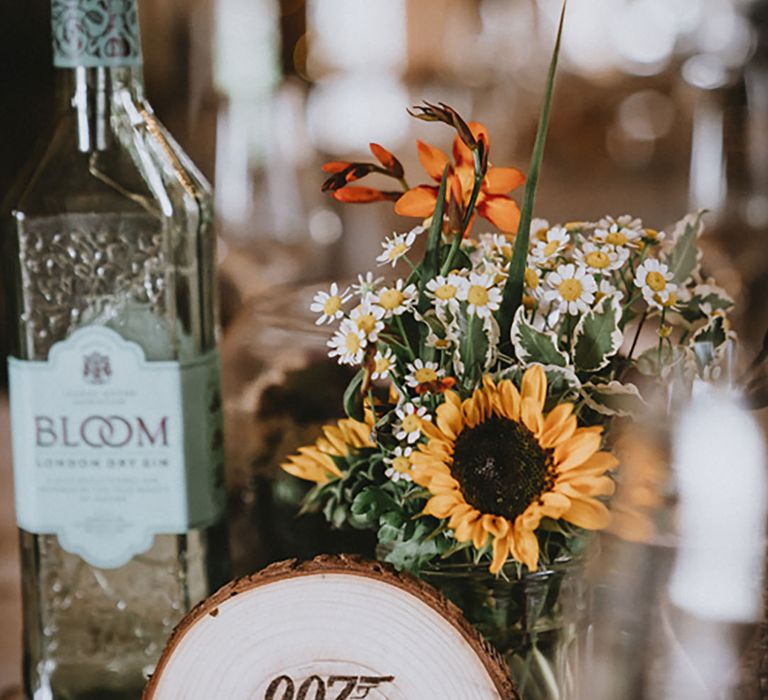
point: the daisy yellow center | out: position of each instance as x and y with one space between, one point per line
445 292
352 343
366 323
397 251
411 423
570 289
551 248
541 234
390 299
425 375
616 238
598 259
442 343
332 305
477 295
383 364
401 464
500 467
531 278
651 233
655 280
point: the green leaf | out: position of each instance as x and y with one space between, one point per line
414 545
353 399
369 505
431 263
683 260
473 346
598 336
533 345
714 332
513 290
706 300
614 399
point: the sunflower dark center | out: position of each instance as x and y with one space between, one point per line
501 467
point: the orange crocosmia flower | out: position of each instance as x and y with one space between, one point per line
335 166
361 195
493 202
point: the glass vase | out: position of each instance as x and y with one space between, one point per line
537 621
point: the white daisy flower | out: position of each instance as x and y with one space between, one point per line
368 318
420 372
654 236
348 343
409 426
539 228
653 278
606 289
330 304
366 285
663 300
400 464
624 231
532 279
481 294
396 247
495 246
553 242
396 300
445 290
572 290
601 258
384 364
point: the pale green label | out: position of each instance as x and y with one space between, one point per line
110 449
94 33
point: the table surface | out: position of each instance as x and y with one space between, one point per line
10 593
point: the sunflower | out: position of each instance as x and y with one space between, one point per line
495 465
315 463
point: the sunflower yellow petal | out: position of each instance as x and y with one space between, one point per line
530 413
449 420
527 547
554 504
508 400
534 386
588 514
479 534
559 426
577 450
464 530
441 505
500 553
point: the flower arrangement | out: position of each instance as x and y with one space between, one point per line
492 370
491 437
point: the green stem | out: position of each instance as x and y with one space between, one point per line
661 338
456 244
640 325
407 346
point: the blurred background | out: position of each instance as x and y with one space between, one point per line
661 107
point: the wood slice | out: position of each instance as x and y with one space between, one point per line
333 628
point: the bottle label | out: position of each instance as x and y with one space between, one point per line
110 449
94 33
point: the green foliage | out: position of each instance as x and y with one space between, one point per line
513 290
614 399
353 399
684 258
532 345
598 337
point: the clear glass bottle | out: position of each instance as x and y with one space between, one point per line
115 400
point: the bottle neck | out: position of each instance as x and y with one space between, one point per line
97 51
91 95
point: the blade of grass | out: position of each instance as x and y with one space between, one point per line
513 290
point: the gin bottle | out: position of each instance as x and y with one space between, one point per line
115 400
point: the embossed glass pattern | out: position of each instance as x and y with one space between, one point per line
111 227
